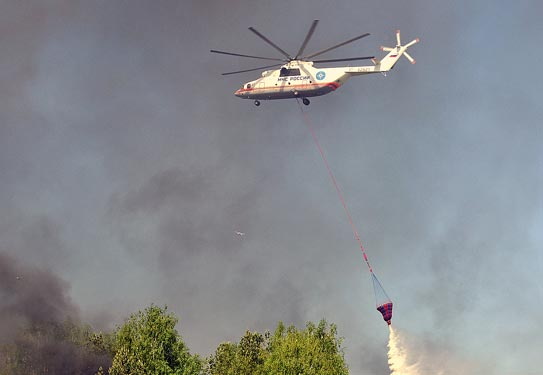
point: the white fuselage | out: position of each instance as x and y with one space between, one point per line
295 79
300 79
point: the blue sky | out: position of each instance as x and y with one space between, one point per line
127 165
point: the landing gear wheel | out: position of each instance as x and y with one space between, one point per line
257 102
305 101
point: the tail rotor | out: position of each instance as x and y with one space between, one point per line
399 49
408 57
414 41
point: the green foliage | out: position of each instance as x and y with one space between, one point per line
245 358
149 344
83 336
224 361
315 350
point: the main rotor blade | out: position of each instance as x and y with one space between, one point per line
238 54
270 43
336 46
307 37
250 70
347 59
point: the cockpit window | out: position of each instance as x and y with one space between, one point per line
284 72
248 85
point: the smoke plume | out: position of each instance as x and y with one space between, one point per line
39 332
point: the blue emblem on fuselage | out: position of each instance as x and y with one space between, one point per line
320 75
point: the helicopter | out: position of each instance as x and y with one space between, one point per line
297 76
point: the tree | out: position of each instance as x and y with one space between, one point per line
316 350
149 344
224 361
245 358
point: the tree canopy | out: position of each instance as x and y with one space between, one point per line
315 350
148 343
244 358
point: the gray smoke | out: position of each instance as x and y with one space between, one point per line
30 296
127 165
37 324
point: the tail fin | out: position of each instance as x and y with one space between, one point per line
394 54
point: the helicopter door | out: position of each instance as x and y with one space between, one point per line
260 85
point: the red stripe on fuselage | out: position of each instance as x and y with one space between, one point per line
333 85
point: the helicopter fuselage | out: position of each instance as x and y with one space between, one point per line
297 79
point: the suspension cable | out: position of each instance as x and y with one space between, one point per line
308 123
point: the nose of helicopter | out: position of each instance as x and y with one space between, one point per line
238 93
